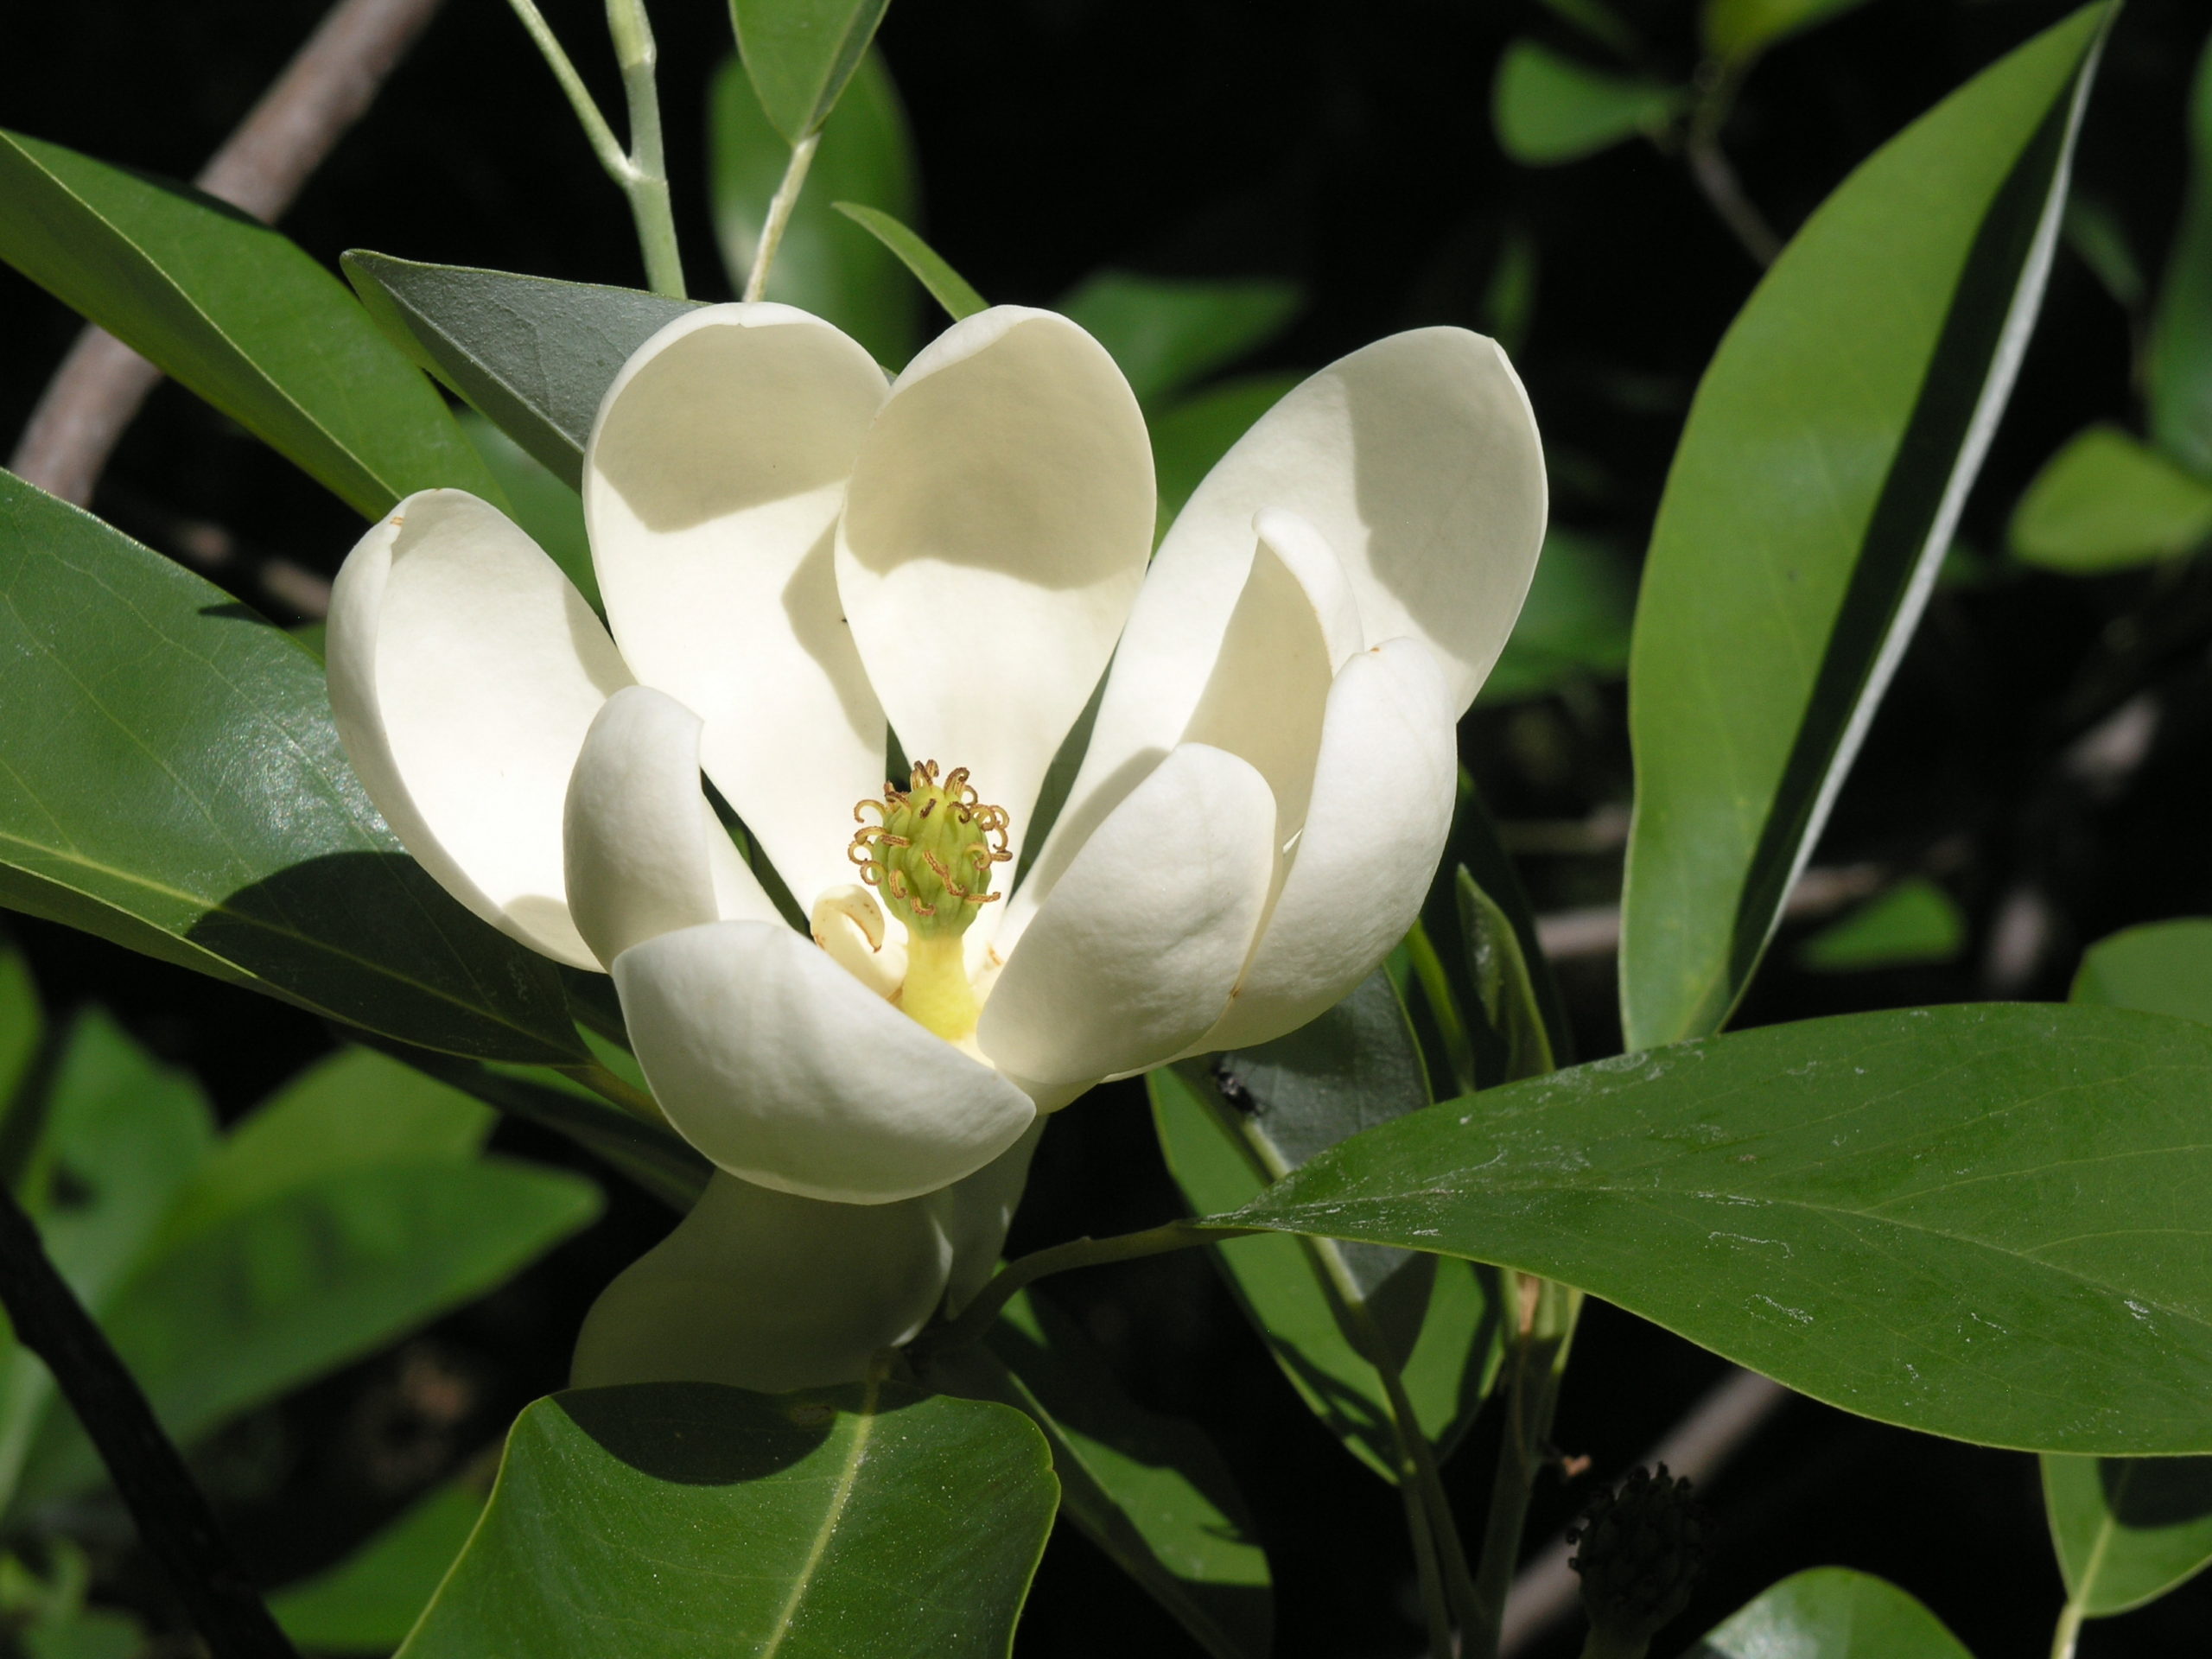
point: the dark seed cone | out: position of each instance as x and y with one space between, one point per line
1642 1549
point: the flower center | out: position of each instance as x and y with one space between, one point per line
929 855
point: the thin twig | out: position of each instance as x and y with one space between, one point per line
780 215
325 89
1712 171
1698 1447
172 1514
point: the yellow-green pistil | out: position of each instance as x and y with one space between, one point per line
929 856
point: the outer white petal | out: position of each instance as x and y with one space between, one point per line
996 532
764 1290
642 843
464 672
1416 459
783 1068
1134 956
712 486
1382 796
975 1214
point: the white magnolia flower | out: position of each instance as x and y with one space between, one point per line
795 554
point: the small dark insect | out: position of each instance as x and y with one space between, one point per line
1232 1086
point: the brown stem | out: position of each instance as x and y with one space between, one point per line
172 1516
326 88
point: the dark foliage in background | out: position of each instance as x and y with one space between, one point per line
1348 148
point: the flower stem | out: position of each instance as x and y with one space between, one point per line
980 1315
779 215
2068 1633
1538 1361
1433 1604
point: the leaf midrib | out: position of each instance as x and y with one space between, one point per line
841 1497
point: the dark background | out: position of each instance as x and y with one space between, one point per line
1349 147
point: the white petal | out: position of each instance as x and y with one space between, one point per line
464 672
975 1214
642 842
712 486
1382 796
781 1067
1417 459
996 532
849 923
1134 956
763 1290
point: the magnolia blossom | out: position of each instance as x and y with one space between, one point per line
799 558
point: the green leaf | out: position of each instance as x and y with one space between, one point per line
2107 502
171 779
2181 330
235 312
550 510
533 355
1324 1309
946 286
1914 921
1505 992
1150 1491
2128 1529
1814 492
1737 29
1573 626
2098 238
1167 333
684 1520
1191 435
1549 108
281 1290
369 1601
2159 968
801 53
825 263
1983 1221
1831 1612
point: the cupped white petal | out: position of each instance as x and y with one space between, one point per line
764 1290
712 485
1134 956
995 534
1383 789
784 1068
465 670
1417 459
642 843
976 1213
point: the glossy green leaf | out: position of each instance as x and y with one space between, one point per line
2107 502
1831 1612
2181 330
2129 1529
1914 921
1167 333
1737 29
346 1211
682 1521
551 511
1814 492
237 312
946 285
801 53
368 1602
171 779
1325 1309
2098 238
534 356
1505 1000
1986 1221
1549 108
1573 626
1151 1492
825 263
2159 968
1191 435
